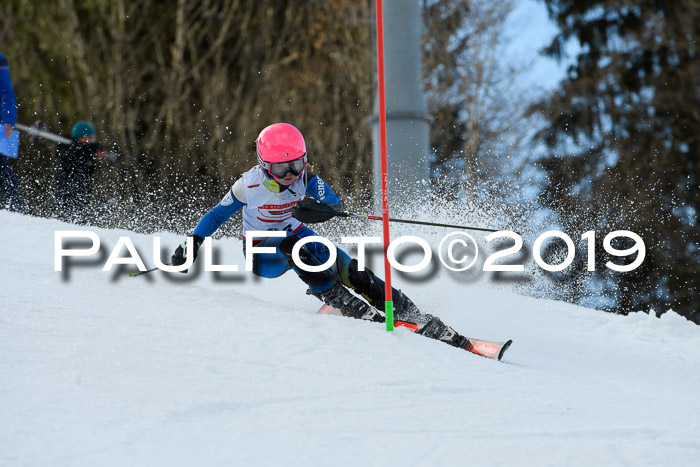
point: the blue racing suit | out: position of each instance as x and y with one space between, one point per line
271 265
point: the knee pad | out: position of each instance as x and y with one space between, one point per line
305 254
287 245
315 280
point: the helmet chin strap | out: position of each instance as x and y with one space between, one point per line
271 184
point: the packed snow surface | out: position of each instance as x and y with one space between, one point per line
97 368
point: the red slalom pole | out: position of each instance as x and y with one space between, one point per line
388 301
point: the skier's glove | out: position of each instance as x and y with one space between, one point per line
112 157
180 255
311 211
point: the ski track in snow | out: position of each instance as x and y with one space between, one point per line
98 368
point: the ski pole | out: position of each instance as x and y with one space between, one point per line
138 273
404 221
44 134
311 211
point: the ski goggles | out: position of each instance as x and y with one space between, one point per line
280 169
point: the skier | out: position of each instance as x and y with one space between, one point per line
9 185
267 194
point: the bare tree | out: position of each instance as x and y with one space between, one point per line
183 87
472 91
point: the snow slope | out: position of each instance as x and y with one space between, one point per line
98 368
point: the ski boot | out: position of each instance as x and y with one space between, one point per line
436 329
349 305
406 310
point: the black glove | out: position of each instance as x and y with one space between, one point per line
180 255
311 211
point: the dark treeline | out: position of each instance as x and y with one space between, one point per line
623 134
181 90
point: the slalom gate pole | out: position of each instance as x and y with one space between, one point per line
388 300
44 134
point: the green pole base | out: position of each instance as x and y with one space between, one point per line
389 312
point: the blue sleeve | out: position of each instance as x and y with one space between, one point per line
8 104
218 215
319 191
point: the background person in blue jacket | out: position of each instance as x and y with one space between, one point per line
9 185
271 194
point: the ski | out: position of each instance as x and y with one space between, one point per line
488 349
329 310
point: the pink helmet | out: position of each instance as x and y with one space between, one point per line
281 149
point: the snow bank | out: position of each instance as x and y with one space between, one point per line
101 369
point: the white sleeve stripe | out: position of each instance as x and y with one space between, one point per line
238 190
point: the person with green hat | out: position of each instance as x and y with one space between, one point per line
75 167
82 129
